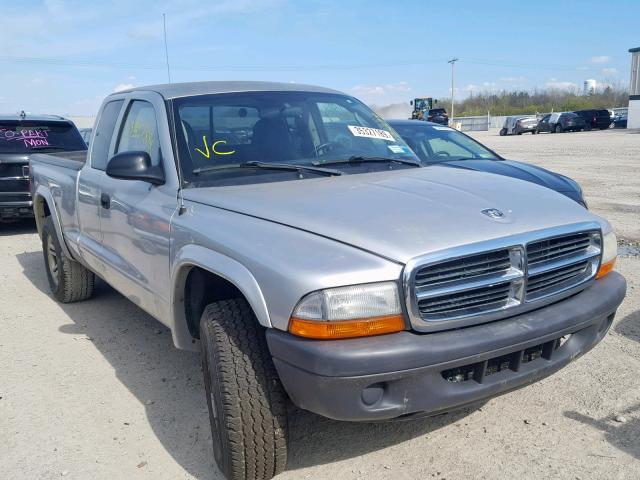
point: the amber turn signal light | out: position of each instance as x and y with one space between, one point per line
606 268
330 330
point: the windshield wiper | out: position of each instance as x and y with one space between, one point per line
363 159
271 166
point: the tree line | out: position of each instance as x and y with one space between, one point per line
537 101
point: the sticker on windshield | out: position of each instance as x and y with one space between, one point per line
370 133
442 128
398 149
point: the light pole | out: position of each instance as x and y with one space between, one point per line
452 62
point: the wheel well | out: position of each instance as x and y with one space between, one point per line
202 288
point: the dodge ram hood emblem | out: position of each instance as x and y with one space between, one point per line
493 213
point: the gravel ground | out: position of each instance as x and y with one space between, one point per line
96 389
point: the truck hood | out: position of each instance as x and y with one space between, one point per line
523 171
401 214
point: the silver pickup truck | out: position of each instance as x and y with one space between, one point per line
289 234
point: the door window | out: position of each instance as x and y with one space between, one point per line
140 131
104 133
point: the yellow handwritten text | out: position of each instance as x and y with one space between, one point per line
207 153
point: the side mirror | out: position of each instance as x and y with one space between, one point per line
135 166
411 102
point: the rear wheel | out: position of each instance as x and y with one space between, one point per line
247 404
503 132
69 280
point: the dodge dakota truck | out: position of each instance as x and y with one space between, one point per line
20 136
289 234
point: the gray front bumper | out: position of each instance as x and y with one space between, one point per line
393 375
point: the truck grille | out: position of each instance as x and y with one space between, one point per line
14 170
473 285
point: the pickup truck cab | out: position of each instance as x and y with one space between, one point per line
21 136
289 234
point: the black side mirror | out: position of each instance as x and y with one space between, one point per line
135 166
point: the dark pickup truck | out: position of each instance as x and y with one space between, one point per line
20 136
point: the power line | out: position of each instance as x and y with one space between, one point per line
61 61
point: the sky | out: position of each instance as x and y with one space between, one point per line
65 56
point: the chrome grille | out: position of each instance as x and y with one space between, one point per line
495 296
461 286
463 268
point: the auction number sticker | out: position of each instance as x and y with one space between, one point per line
370 133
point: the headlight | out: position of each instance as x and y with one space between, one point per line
609 254
346 312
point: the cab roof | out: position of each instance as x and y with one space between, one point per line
177 90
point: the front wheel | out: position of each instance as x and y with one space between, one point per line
246 401
503 132
558 128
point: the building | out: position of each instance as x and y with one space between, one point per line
589 87
633 119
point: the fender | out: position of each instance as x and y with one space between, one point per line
231 270
45 194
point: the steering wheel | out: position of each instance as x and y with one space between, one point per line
327 146
442 153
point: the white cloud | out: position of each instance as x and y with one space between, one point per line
123 86
381 89
609 71
513 79
553 83
600 59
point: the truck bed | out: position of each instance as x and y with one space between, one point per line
74 160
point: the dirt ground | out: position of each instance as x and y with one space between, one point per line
95 390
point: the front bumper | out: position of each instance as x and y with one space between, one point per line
389 376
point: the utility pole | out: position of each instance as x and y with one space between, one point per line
166 50
452 62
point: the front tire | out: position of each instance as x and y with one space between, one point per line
69 280
558 128
246 401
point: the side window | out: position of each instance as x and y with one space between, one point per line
448 148
104 133
140 131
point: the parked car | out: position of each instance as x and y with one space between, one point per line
448 147
320 266
86 134
20 136
595 118
561 122
517 125
438 115
620 121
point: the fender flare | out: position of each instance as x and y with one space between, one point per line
231 270
45 194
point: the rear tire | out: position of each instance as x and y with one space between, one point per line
69 280
503 132
246 401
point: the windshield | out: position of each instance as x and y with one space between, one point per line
219 134
25 136
434 144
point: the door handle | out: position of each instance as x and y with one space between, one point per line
105 201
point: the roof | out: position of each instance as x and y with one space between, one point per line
176 90
637 49
37 118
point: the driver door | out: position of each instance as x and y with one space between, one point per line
136 215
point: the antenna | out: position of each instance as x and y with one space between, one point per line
166 50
